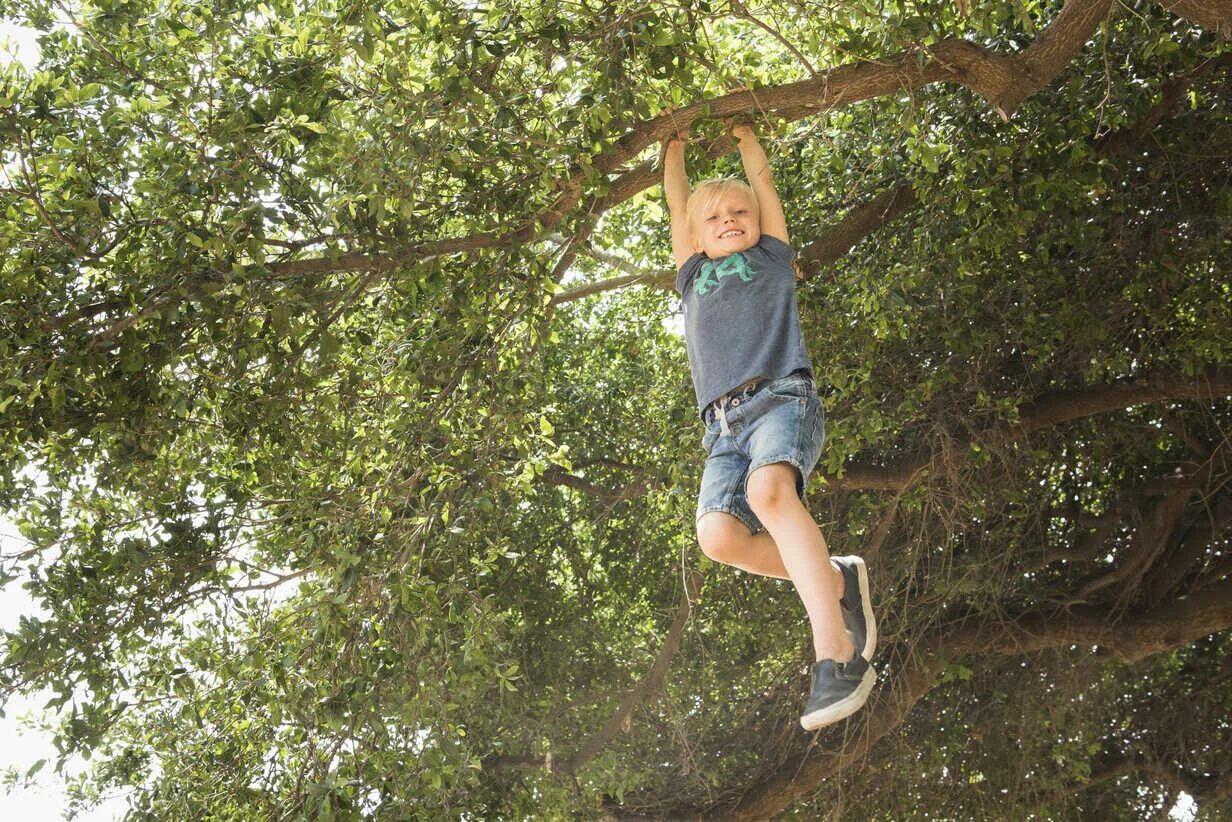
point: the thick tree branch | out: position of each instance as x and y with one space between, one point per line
858 223
1149 541
1005 81
555 476
1155 386
1171 96
1211 787
1131 638
1190 538
1215 15
1049 410
1191 550
1096 530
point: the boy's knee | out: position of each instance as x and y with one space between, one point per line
771 489
721 536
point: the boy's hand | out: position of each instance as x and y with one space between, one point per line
739 126
681 135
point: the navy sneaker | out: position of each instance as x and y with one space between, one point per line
857 607
840 689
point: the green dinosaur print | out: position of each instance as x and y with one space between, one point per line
711 272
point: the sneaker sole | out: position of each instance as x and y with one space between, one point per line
843 708
870 639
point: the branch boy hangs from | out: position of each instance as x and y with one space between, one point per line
764 421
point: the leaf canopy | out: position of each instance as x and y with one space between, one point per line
349 428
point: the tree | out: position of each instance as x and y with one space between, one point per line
355 450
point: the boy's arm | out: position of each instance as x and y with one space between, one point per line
676 187
757 169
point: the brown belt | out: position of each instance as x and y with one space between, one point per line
747 385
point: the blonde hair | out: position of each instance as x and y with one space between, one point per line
710 192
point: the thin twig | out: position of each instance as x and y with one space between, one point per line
741 11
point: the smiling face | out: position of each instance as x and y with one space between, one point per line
725 220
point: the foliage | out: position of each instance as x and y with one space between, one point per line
339 505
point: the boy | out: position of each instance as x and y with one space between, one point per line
764 422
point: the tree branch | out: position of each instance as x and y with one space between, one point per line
1049 410
650 684
1112 766
1149 541
1192 548
655 279
1215 15
1005 81
857 224
739 10
556 476
1132 639
1171 96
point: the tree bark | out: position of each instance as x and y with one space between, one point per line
1049 410
1215 15
1132 638
1005 81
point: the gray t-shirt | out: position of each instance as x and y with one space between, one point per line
740 318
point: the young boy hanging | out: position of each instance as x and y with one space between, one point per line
764 422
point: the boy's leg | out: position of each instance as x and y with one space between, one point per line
802 550
724 538
838 689
842 677
779 431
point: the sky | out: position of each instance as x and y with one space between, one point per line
21 44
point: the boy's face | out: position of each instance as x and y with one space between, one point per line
729 224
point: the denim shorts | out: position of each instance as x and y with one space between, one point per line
777 421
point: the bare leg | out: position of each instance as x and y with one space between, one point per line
772 496
726 539
791 548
